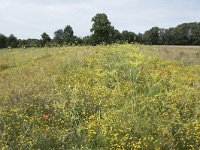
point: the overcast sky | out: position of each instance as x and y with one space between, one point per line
30 18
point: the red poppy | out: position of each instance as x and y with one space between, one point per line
46 116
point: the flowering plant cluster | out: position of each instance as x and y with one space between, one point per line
103 97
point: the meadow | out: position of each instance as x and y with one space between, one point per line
184 54
100 97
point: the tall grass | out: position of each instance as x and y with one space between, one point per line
104 97
185 54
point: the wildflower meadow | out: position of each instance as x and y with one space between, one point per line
97 97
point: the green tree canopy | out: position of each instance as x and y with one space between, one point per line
12 41
129 36
68 35
101 29
114 35
152 36
68 31
45 38
59 36
2 41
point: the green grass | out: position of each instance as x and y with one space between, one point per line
103 97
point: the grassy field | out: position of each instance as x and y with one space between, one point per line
103 97
185 54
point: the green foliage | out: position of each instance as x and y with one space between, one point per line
12 41
66 37
101 29
33 43
103 97
45 38
184 34
87 40
129 37
59 36
152 36
2 41
187 33
68 31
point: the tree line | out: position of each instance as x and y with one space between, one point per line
102 32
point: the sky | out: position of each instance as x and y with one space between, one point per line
30 18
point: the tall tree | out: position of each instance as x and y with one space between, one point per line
169 37
68 31
45 38
152 36
59 36
101 29
128 36
2 41
12 41
68 35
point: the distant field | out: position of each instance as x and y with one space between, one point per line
186 54
103 97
